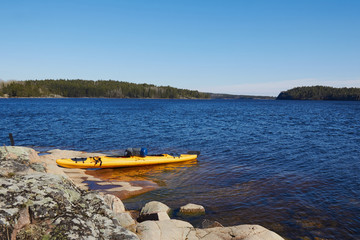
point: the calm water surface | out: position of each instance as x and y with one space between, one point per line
290 166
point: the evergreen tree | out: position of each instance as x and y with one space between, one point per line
88 88
320 93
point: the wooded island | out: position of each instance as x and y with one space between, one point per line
320 93
88 88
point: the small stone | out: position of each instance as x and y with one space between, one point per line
192 209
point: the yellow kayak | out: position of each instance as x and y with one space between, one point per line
122 161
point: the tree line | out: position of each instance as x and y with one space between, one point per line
320 93
88 88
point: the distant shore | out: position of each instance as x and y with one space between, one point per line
321 93
77 88
61 97
216 96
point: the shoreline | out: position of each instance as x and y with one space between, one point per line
40 200
83 178
108 98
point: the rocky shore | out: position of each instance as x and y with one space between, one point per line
39 200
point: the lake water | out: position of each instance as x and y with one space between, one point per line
290 166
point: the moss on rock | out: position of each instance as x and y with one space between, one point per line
57 208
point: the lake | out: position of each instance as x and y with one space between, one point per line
290 166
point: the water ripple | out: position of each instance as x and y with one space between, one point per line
291 166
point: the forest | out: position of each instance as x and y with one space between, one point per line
92 89
320 93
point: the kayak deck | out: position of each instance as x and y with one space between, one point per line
122 161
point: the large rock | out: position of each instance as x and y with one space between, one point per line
18 160
254 232
180 230
241 232
154 211
114 203
154 207
17 153
122 217
125 220
163 230
37 206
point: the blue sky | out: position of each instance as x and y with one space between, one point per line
240 47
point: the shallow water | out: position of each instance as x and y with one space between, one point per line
291 166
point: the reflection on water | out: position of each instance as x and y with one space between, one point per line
143 179
144 173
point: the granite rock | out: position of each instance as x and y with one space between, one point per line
206 223
154 207
164 230
114 203
16 160
180 230
192 209
47 205
241 232
154 211
125 220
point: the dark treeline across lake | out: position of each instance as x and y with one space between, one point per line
321 93
290 166
95 89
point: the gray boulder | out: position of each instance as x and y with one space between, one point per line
37 206
154 211
125 220
20 154
154 207
164 230
122 217
16 160
180 230
241 232
38 167
114 203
